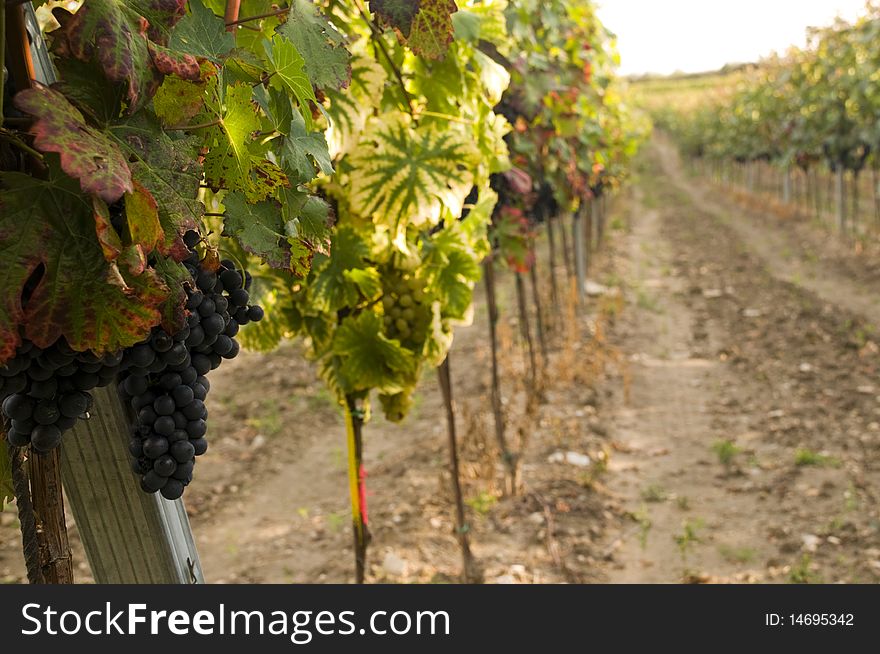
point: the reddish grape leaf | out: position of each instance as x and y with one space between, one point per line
169 62
86 154
126 40
169 171
79 295
424 25
162 15
398 14
113 36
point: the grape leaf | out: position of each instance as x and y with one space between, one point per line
408 175
368 359
167 169
350 108
178 100
260 230
162 15
169 62
398 14
287 68
176 277
80 295
321 46
203 34
424 25
368 280
234 161
302 152
86 154
332 289
113 36
142 219
308 218
432 30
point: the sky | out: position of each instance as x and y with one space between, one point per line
696 35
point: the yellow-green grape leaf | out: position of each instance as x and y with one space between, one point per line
407 176
350 108
368 359
331 288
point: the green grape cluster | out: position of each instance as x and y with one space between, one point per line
407 315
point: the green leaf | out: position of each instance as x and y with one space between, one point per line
332 289
202 33
86 154
307 217
467 26
260 229
234 160
321 46
176 277
368 359
304 153
407 175
368 281
288 73
93 303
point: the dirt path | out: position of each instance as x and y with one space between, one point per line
666 431
786 256
748 451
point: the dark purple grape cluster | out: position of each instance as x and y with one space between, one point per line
165 383
45 391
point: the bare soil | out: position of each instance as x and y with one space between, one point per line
722 382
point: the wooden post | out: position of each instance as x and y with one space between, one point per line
840 198
470 570
507 456
130 537
786 184
56 562
554 290
580 257
566 251
354 418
